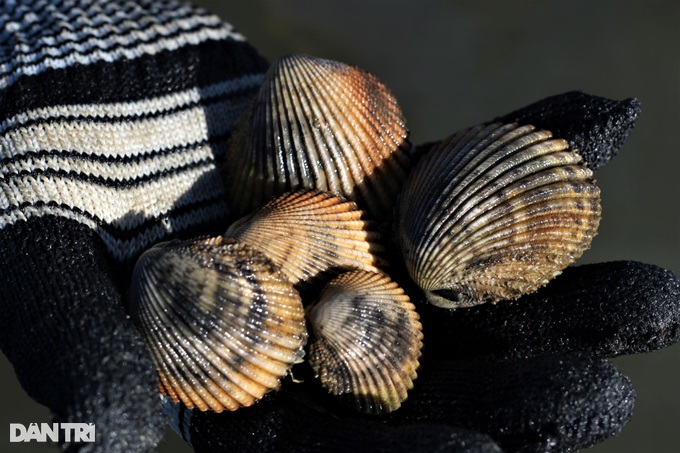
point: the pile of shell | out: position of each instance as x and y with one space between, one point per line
322 154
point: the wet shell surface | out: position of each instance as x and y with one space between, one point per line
319 124
222 323
366 341
495 212
306 233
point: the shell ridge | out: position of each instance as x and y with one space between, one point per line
222 362
488 203
496 204
493 186
332 234
320 109
491 220
496 170
316 149
326 126
498 222
201 306
189 374
447 159
359 319
287 138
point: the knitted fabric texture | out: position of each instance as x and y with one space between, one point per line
114 116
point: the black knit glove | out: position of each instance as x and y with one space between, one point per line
526 375
113 119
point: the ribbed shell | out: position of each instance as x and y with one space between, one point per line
495 212
222 323
306 233
366 341
319 124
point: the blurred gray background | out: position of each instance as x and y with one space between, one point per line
453 64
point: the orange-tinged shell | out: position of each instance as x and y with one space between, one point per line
366 341
222 323
495 212
319 124
306 233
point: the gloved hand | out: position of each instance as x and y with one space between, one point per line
113 120
524 375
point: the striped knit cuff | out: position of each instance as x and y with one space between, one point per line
114 114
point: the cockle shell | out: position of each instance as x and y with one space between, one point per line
495 212
366 340
222 323
319 124
306 233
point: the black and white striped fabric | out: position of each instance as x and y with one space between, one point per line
114 117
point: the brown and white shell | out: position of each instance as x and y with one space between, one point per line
222 323
366 341
319 124
307 233
495 212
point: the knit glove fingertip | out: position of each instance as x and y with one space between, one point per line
595 126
